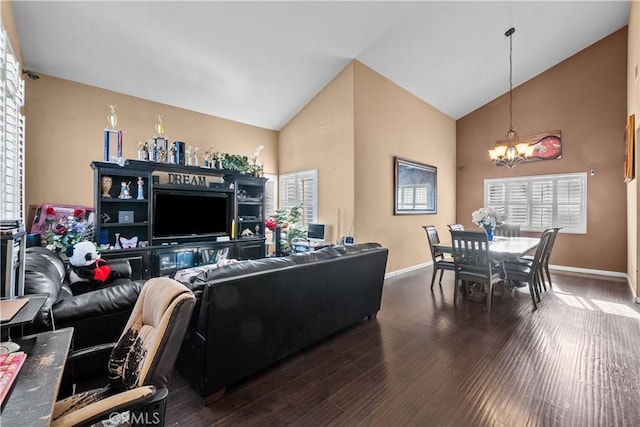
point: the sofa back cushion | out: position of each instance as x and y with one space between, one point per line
42 275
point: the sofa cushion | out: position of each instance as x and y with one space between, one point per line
41 276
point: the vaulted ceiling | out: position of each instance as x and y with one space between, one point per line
260 62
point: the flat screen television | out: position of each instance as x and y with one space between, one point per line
180 214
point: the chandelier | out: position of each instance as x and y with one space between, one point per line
510 152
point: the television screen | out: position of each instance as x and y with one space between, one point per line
188 213
315 232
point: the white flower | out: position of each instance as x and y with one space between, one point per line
485 217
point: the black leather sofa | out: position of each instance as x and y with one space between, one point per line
97 317
254 313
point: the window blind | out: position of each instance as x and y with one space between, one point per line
270 194
12 128
539 202
300 188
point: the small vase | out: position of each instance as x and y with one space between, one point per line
489 231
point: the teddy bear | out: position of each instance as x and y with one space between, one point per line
88 271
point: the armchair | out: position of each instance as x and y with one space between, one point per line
141 362
97 316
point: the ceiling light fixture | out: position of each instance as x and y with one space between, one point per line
510 152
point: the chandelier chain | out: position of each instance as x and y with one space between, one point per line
510 82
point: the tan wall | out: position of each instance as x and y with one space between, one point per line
633 107
320 137
65 133
584 97
389 121
350 134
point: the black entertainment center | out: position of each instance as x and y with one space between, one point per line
164 217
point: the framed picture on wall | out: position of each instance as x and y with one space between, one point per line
415 187
629 150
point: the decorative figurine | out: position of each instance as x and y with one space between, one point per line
171 158
112 118
159 126
143 150
140 188
195 156
188 152
124 190
117 245
107 181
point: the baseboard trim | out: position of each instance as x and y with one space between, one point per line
589 271
407 270
564 268
551 267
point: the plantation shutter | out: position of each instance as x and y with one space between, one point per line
300 188
571 202
517 198
270 194
540 202
12 126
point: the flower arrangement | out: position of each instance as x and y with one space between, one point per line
488 218
65 231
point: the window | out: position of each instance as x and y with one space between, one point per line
300 188
12 138
539 202
270 194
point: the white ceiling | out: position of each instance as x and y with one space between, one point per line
261 62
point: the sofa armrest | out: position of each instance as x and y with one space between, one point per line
120 269
97 303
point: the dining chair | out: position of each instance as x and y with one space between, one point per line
522 270
507 230
473 262
544 264
440 262
456 227
543 267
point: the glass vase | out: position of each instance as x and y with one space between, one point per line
489 231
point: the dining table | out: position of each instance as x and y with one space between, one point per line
502 248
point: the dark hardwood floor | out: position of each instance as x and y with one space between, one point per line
575 362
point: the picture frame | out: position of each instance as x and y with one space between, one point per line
415 187
629 150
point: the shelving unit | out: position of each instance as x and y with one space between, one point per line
249 196
133 217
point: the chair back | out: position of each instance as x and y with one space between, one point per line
149 344
550 243
508 230
456 227
542 248
432 237
471 255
